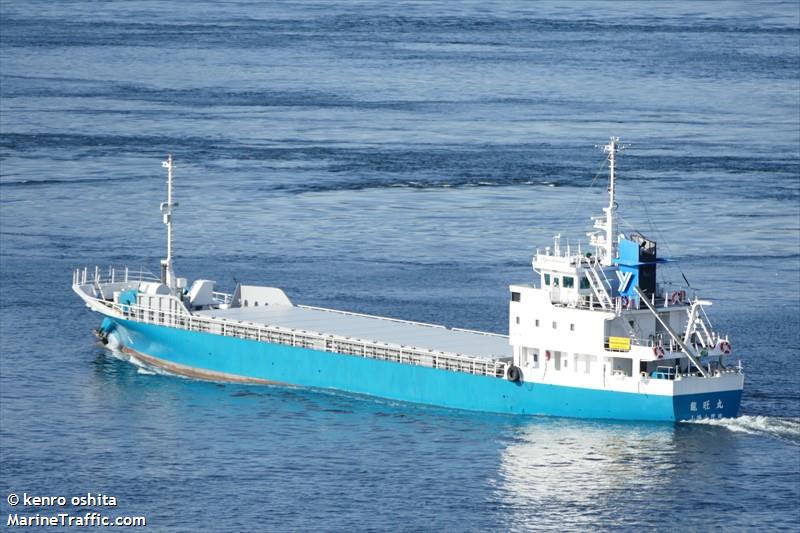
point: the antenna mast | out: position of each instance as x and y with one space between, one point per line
611 220
167 274
605 240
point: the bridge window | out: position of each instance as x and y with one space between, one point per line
572 327
555 281
585 282
515 297
536 322
555 325
517 320
569 282
547 279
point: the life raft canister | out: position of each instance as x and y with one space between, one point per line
514 373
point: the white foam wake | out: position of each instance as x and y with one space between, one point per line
784 428
141 366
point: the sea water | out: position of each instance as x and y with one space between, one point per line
403 160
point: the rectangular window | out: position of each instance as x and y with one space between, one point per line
530 356
547 279
585 282
569 282
554 325
517 320
515 297
537 322
555 281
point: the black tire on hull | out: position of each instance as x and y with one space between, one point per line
514 373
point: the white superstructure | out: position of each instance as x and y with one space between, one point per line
600 320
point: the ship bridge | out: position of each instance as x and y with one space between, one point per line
602 311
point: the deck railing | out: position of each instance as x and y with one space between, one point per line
98 276
308 339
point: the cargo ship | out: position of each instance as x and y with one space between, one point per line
592 334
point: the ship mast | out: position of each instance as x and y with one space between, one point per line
167 274
605 241
611 220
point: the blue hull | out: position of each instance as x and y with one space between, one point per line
402 382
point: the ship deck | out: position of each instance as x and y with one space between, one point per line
371 328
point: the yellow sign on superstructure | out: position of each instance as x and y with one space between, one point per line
620 344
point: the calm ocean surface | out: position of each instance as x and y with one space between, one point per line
402 160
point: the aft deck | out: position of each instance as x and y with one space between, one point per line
373 329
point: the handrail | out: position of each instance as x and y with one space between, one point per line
96 276
597 286
222 297
671 333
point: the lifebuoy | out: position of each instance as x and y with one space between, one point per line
725 347
547 355
658 351
676 297
514 373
